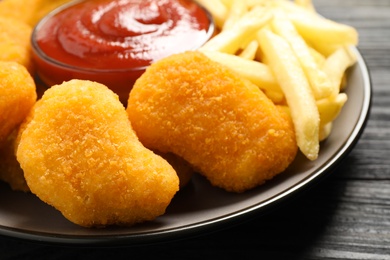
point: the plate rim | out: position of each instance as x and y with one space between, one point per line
218 223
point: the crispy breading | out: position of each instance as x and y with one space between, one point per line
29 12
17 96
15 42
79 154
221 124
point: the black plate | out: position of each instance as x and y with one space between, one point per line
199 207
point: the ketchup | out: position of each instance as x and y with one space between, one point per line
111 40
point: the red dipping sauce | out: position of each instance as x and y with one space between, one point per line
113 41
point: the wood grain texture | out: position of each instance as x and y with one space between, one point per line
347 216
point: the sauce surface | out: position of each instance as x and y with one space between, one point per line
122 34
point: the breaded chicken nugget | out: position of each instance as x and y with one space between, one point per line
203 112
10 170
17 96
79 154
15 42
20 10
29 12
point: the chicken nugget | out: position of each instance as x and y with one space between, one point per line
10 170
15 42
223 125
20 10
79 154
29 12
17 96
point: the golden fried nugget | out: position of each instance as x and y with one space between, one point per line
79 154
15 42
221 124
17 96
20 10
29 12
10 170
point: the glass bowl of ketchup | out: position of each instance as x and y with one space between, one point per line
114 41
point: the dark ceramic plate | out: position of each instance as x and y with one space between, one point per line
199 207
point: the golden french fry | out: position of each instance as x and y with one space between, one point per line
315 28
252 3
237 9
227 3
318 79
256 72
217 10
325 49
325 131
296 89
336 65
249 52
318 57
298 59
275 96
230 41
344 82
329 108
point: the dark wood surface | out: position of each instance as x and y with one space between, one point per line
346 216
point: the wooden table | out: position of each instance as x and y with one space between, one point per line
347 216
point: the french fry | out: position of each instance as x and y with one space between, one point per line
275 96
314 28
299 97
237 9
344 82
325 49
336 65
318 57
325 131
249 52
252 3
318 79
296 56
290 7
256 72
228 3
230 41
329 108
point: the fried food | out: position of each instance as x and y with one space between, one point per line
20 10
17 96
223 125
79 154
29 12
291 56
15 42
